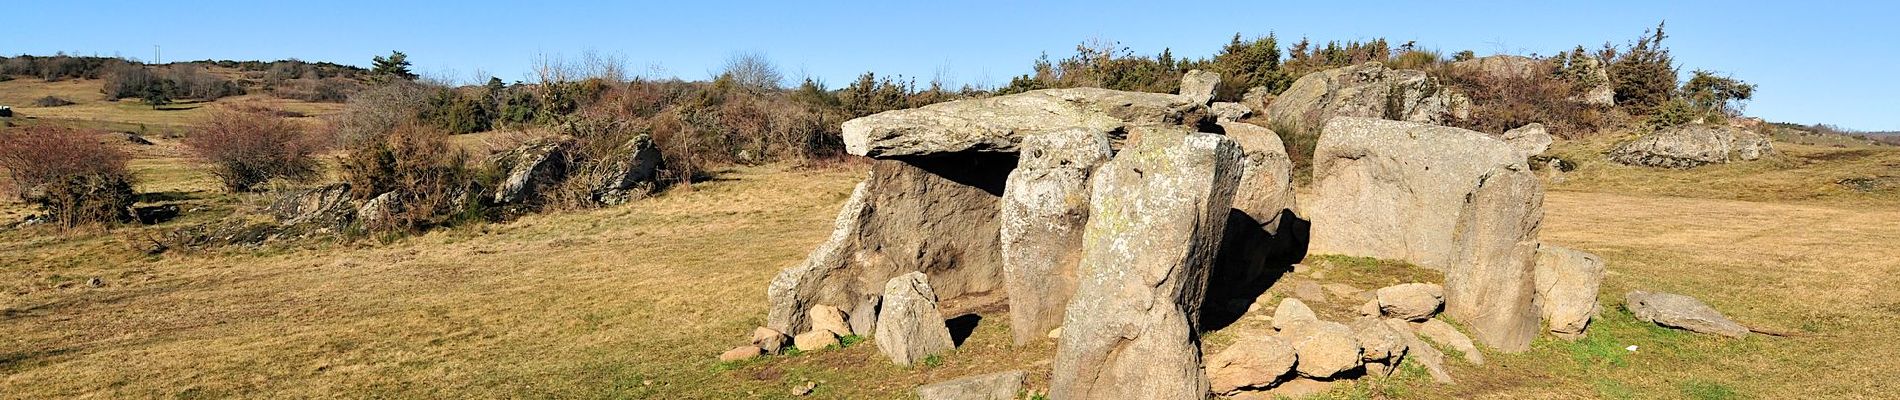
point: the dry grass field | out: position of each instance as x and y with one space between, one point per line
635 301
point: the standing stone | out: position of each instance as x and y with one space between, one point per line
1259 238
1251 362
1399 190
795 290
1567 282
911 327
997 386
1131 330
1494 289
1200 86
1684 312
1045 206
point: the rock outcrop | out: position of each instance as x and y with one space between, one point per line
1366 90
533 166
911 328
997 386
1045 206
998 124
1502 66
325 206
1445 198
630 173
1692 145
1681 312
1567 282
1131 331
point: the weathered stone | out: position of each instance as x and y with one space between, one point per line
997 386
1251 362
1600 90
1309 290
998 124
1228 112
1439 331
1383 346
911 328
769 340
1692 145
1531 140
1256 98
631 172
829 318
1419 351
1399 190
741 353
817 339
378 211
534 165
1567 282
1325 348
1260 239
937 215
1371 308
1366 90
1131 329
1292 312
327 205
863 318
1682 312
1200 85
1045 206
1410 301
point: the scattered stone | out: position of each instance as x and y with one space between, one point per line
1681 312
1692 145
1045 206
911 328
817 339
1383 347
1325 348
1130 329
829 318
1367 90
769 340
1251 362
1055 333
1531 140
805 389
741 353
1200 86
1410 301
1439 331
1370 309
996 386
378 210
631 172
1292 312
999 123
327 205
1421 352
1229 112
1567 282
95 282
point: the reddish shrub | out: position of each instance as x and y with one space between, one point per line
249 146
74 175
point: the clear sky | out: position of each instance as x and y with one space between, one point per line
1815 61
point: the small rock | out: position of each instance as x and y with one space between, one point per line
1370 309
997 386
1532 139
1055 333
1200 85
1439 331
1325 348
1419 351
912 328
741 353
1411 301
1683 312
96 282
1227 112
805 389
1567 282
768 339
1292 312
817 339
1251 362
829 318
1378 339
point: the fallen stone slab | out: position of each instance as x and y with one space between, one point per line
1681 312
997 386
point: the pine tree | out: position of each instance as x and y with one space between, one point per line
395 66
1644 76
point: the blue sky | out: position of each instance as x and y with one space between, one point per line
1816 61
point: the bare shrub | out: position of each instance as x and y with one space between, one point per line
752 70
248 146
422 181
1501 102
52 101
74 175
374 112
